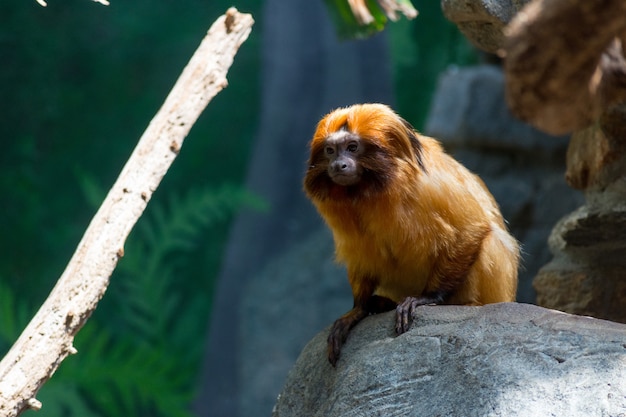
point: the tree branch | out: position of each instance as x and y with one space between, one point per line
48 338
564 62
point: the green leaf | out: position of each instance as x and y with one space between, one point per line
347 25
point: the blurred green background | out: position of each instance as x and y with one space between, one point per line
80 82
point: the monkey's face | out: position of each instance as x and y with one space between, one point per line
342 150
358 151
345 164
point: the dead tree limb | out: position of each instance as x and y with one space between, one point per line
565 63
48 338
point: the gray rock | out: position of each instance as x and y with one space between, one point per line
284 306
469 109
586 275
482 21
497 360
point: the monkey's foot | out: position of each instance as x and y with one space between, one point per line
336 339
404 311
339 332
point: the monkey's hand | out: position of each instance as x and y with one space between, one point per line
404 311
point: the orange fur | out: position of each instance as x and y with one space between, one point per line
417 223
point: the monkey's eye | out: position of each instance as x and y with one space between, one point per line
329 150
352 147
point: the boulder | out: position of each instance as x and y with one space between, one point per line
497 360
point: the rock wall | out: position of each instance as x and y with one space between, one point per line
587 275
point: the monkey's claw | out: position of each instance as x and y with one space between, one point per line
404 313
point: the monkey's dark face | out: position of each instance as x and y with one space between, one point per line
342 150
345 165
358 152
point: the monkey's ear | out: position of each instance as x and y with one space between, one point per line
415 143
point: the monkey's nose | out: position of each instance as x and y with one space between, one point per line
340 166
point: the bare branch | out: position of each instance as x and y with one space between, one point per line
48 338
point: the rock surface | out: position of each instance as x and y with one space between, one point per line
296 302
497 360
482 21
586 275
596 157
559 78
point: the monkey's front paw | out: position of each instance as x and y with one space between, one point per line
404 312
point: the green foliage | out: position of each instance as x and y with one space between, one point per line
140 352
80 84
63 398
421 49
149 275
347 25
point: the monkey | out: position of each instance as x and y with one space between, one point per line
411 224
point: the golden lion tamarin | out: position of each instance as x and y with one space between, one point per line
411 224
